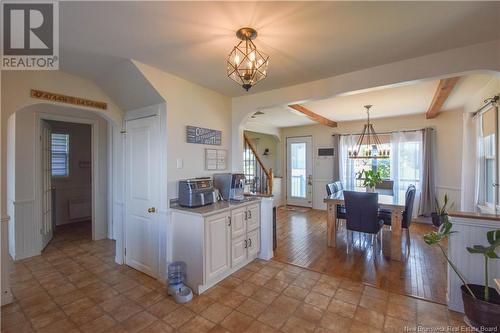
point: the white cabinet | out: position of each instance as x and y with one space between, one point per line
253 216
246 234
253 243
217 245
238 222
238 250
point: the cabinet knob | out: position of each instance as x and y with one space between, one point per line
152 210
229 223
249 242
246 244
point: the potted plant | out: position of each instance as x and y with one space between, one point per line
370 179
481 303
441 211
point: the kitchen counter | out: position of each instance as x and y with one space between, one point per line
215 208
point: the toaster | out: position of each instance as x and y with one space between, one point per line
196 192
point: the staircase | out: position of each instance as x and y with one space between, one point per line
257 176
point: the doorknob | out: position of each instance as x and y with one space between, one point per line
152 210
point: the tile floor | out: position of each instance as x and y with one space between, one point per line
74 286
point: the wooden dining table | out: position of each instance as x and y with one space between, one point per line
390 200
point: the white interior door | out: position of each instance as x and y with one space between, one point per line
142 194
47 230
299 171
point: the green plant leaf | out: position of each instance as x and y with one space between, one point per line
492 254
477 249
493 236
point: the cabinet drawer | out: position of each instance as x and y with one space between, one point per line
238 250
253 243
253 214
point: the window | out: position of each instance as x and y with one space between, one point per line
489 155
409 160
60 155
249 165
404 166
382 165
298 169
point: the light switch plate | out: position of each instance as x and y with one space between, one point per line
179 163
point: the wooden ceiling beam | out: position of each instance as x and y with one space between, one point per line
443 90
312 115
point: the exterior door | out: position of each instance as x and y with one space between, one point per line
217 245
142 194
47 230
299 171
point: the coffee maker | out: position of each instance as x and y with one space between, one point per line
230 185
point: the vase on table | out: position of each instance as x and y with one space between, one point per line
370 189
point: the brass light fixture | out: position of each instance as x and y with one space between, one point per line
370 139
245 64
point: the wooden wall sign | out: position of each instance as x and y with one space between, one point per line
204 136
53 97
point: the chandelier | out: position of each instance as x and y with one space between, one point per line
368 144
246 65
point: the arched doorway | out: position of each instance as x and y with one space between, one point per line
30 194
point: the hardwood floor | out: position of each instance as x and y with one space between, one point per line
301 238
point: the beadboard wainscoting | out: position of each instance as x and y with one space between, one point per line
468 232
24 230
6 297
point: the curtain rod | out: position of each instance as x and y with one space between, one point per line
390 132
487 103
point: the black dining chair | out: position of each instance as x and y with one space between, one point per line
362 214
385 187
386 215
334 188
408 212
330 189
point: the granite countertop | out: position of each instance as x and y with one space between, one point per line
215 208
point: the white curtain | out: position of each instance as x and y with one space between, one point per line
473 173
407 162
346 165
480 173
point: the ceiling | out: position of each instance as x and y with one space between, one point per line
305 40
406 99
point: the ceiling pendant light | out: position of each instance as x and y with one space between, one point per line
368 144
246 65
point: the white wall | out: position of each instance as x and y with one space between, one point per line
189 104
186 104
78 184
448 126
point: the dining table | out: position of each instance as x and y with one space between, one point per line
387 199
